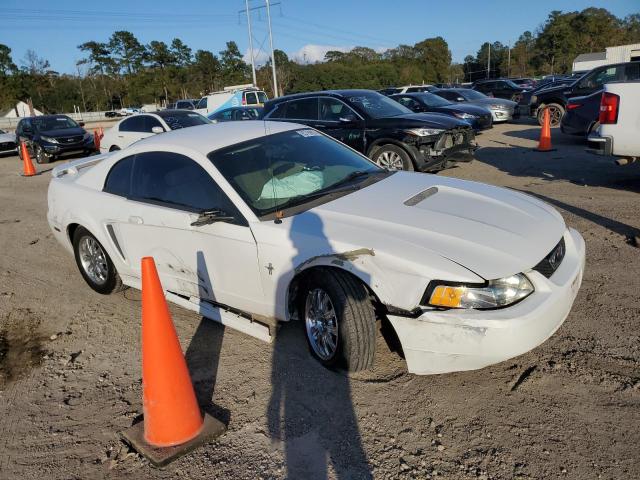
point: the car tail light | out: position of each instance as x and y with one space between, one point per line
244 101
609 108
573 106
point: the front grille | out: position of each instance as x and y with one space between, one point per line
549 264
69 140
455 137
7 145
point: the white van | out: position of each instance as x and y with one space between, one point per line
234 96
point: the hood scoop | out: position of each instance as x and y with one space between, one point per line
419 197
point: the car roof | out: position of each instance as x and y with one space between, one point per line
326 93
206 138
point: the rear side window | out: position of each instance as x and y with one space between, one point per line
133 124
177 181
202 103
304 109
119 178
631 72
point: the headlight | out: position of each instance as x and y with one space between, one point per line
498 106
465 116
424 132
48 139
495 294
86 136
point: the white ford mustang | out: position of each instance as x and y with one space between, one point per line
252 223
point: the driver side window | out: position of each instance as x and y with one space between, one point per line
176 181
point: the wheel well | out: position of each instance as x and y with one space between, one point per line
553 100
71 230
293 291
381 143
114 148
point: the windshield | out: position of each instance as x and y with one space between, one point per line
511 84
290 168
431 100
471 95
45 124
377 105
177 120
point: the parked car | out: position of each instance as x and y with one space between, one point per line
143 125
501 110
581 117
187 104
524 82
556 98
391 135
617 133
416 88
478 117
501 88
254 223
234 96
111 114
389 91
236 113
126 111
7 143
50 136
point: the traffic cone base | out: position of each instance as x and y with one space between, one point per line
173 424
211 429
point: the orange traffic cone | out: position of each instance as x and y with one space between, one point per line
544 145
96 139
29 169
173 424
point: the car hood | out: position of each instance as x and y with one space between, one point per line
493 232
416 120
485 102
465 108
7 137
63 132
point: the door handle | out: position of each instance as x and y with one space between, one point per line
136 220
120 136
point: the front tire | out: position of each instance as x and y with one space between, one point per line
392 157
94 263
41 157
339 320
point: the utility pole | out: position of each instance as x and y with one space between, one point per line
273 57
489 61
253 62
509 61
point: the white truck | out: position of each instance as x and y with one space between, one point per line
619 130
234 96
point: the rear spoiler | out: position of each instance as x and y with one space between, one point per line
71 168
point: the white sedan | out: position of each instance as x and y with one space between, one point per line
144 125
253 223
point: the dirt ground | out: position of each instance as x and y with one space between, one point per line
70 373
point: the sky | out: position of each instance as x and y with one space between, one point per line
304 29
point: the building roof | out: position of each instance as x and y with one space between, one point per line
590 57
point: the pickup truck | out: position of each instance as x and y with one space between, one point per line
555 98
619 123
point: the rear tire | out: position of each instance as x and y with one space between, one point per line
392 157
556 112
94 263
349 330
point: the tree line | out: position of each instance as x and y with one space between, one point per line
122 71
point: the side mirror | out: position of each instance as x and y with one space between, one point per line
207 217
81 124
157 129
213 120
348 118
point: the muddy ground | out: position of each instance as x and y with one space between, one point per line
70 362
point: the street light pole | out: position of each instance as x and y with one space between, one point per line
253 61
489 61
273 57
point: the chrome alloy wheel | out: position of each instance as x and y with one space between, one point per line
93 260
390 160
321 323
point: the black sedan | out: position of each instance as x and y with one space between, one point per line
478 117
581 117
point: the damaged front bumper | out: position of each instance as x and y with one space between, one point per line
456 340
451 146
